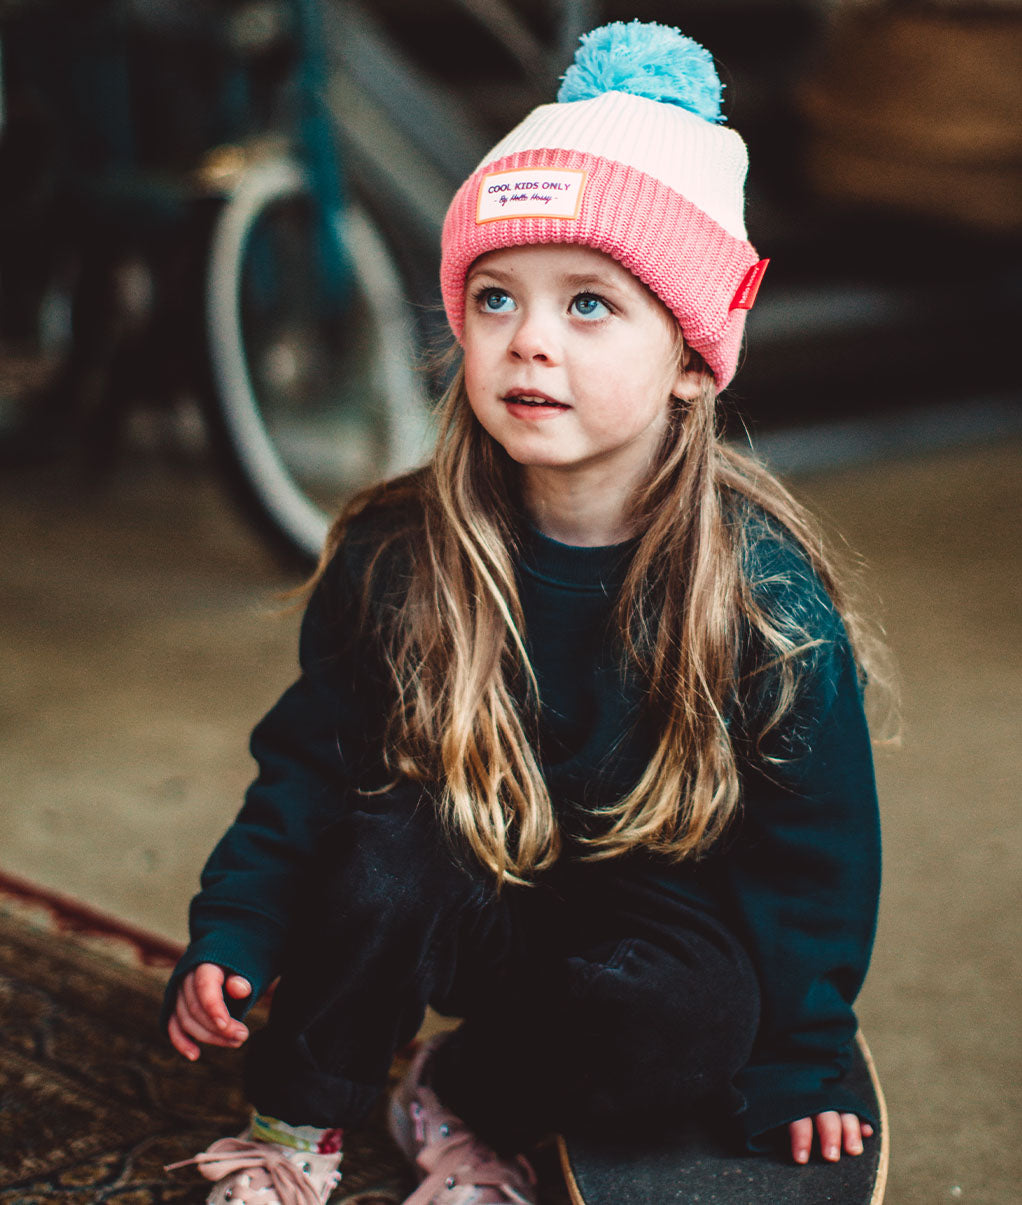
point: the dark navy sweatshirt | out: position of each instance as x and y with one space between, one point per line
797 875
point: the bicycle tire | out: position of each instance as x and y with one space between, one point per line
378 420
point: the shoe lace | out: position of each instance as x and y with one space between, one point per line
457 1157
267 1164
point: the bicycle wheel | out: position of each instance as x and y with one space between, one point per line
315 391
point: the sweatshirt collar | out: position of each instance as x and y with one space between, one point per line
597 568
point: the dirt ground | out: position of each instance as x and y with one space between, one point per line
142 638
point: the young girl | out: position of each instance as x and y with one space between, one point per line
577 752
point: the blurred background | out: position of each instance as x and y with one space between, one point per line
219 226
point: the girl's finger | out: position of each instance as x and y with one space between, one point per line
181 1042
852 1130
828 1126
801 1134
188 996
209 990
190 1012
238 987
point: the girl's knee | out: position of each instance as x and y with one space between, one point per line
656 1018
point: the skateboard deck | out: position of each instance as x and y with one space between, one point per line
700 1165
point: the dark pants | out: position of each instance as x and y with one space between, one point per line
593 1001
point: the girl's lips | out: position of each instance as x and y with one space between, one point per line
528 408
533 401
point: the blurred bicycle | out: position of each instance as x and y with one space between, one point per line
313 390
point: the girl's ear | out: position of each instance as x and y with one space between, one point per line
689 381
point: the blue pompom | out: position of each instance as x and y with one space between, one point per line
648 60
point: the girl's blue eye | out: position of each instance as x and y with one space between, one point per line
588 305
496 301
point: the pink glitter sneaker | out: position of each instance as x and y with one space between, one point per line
455 1167
271 1164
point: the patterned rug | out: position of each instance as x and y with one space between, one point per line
93 1101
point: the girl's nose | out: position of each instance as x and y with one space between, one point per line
532 339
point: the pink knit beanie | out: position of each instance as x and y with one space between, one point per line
631 161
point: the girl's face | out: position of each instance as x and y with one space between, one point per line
570 361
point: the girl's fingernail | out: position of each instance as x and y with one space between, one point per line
832 1153
802 1157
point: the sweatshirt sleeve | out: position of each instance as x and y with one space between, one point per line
805 875
306 749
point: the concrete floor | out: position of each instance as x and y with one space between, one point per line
141 641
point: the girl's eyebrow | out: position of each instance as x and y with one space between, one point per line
492 273
587 280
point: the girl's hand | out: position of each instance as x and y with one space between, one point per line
836 1131
200 1014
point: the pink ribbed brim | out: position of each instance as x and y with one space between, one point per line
691 262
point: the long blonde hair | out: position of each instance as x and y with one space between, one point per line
465 704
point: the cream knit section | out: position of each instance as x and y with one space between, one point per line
705 163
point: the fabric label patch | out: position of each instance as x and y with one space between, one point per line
745 297
531 192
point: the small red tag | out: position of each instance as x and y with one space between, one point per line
745 297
